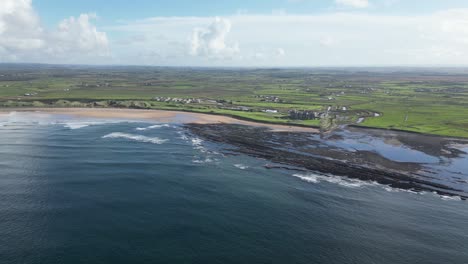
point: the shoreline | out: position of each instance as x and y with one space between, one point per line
261 141
189 117
184 117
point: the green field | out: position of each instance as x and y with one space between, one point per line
433 101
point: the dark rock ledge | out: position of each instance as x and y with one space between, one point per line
289 149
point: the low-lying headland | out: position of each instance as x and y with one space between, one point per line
421 163
416 169
299 118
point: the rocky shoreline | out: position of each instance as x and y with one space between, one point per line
302 151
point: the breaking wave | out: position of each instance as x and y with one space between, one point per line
395 190
203 161
355 183
182 135
45 119
450 198
78 125
139 138
204 155
197 144
151 127
241 166
346 182
75 125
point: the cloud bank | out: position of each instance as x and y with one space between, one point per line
331 38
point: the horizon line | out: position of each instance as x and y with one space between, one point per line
243 67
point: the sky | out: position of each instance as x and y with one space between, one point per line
241 33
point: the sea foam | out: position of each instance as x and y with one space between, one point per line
139 138
355 183
450 198
201 161
83 124
197 144
342 181
151 127
241 166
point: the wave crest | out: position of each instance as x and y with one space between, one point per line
151 127
241 166
346 182
139 138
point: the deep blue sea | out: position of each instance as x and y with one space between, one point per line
132 192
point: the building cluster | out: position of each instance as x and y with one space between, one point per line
269 98
179 100
305 114
311 115
270 111
106 84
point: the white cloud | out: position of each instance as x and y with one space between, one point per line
211 41
333 39
328 39
19 27
353 3
79 35
22 37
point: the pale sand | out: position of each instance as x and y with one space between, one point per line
155 115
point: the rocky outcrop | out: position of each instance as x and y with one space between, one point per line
287 148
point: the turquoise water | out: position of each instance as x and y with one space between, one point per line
130 192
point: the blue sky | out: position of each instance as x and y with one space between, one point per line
236 33
53 11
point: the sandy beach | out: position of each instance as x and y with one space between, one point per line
155 115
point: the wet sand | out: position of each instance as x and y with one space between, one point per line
156 115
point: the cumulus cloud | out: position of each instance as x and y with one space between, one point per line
22 37
353 3
79 35
211 42
20 30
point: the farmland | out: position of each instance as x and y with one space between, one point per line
431 100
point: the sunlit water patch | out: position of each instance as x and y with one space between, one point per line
394 151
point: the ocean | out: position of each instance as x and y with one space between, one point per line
94 191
